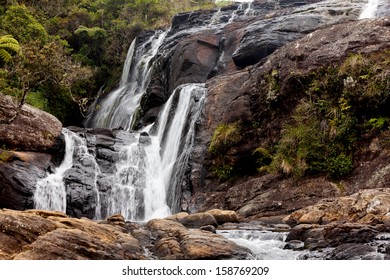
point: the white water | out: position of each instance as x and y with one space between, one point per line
245 6
120 106
167 136
127 184
266 245
370 9
50 193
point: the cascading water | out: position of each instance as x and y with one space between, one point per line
119 108
245 8
370 9
127 183
172 139
50 193
264 244
143 177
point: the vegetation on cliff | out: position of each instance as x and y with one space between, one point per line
344 104
76 46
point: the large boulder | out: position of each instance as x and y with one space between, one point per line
31 130
174 241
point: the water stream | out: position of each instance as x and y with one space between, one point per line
370 9
265 245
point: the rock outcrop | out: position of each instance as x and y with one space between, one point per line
45 235
365 207
32 130
356 220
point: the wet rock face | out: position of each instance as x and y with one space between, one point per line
263 37
31 130
19 173
94 171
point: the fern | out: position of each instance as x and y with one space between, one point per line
8 46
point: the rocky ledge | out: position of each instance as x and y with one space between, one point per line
356 226
45 235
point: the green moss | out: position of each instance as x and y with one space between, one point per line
221 150
263 159
5 156
223 172
47 135
224 137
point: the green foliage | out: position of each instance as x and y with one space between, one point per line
339 165
315 143
8 47
55 82
343 102
366 81
274 87
22 25
222 143
377 124
263 158
38 99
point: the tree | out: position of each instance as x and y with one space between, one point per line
24 27
49 70
8 46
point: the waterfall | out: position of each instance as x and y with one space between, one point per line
50 193
128 183
146 177
119 108
370 9
172 141
145 184
246 6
